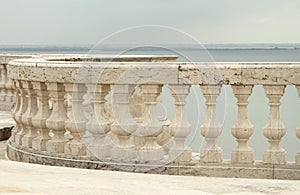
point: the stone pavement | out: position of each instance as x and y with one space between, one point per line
24 178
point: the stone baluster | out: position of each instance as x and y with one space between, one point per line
31 110
211 127
136 105
298 133
19 114
274 129
148 149
10 95
76 122
2 86
242 129
123 126
17 107
98 125
298 153
57 118
39 120
137 111
180 127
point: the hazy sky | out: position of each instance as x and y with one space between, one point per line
89 21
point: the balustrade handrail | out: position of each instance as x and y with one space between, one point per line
240 73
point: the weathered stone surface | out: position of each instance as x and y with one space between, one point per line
92 72
270 73
210 73
195 168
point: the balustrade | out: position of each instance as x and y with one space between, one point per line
30 130
211 127
7 93
42 114
98 125
242 129
180 126
123 126
141 136
20 113
298 133
57 118
151 126
76 122
17 127
3 81
274 129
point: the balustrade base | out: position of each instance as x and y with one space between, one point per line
100 152
27 141
211 155
39 143
123 154
167 146
18 138
75 148
150 155
56 147
258 169
242 156
274 157
179 155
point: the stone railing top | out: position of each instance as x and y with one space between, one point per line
5 58
152 69
107 58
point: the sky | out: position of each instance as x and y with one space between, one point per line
73 22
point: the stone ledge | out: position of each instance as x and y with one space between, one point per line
289 171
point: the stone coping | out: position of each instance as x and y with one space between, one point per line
289 171
107 58
57 69
6 58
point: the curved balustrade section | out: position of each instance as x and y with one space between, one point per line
107 114
7 93
7 96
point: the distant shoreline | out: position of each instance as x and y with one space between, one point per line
147 47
